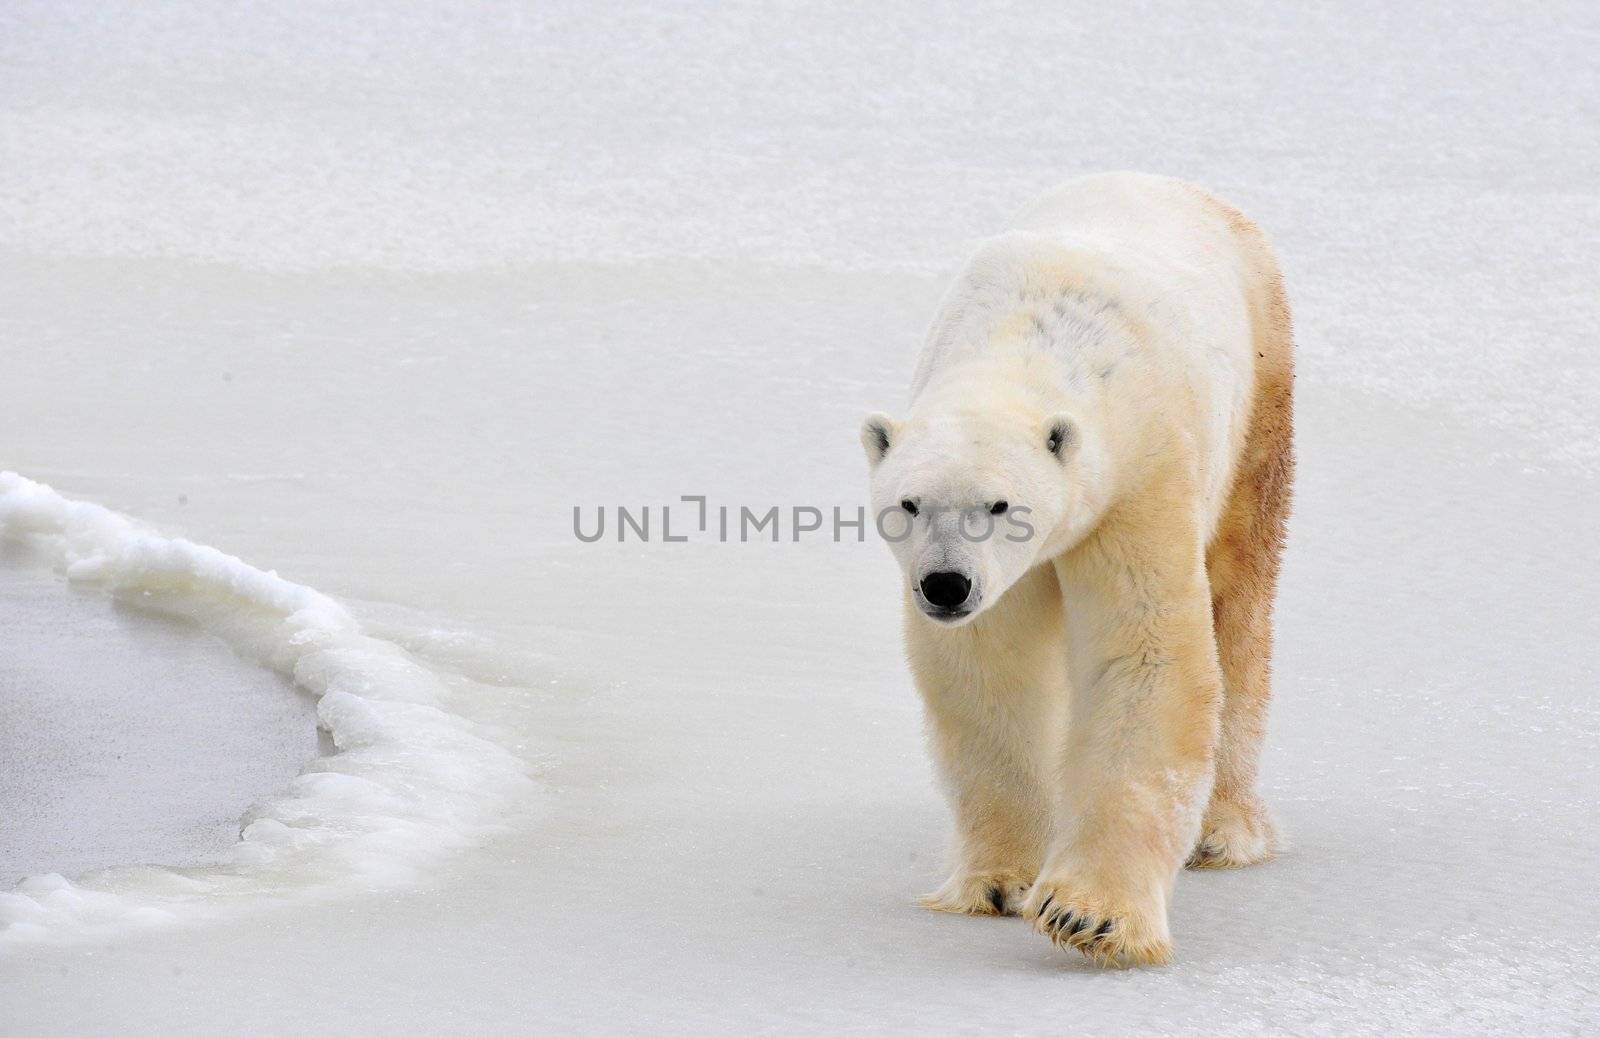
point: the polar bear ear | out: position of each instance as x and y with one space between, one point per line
1061 436
878 432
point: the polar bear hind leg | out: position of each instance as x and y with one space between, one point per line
1242 563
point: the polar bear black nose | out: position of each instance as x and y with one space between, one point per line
946 589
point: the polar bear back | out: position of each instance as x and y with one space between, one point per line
1102 254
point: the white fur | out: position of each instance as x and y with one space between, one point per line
1117 308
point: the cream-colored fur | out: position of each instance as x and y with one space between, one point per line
1116 371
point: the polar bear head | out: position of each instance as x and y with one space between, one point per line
969 498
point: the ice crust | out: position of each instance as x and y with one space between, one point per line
410 780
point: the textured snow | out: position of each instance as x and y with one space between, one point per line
408 780
374 298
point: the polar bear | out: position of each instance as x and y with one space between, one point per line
1087 499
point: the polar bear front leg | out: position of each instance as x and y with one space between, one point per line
992 690
999 837
1138 766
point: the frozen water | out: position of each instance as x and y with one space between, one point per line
409 778
127 737
374 299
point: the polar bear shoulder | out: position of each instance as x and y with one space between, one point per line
1145 289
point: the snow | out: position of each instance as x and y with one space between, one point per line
408 781
373 299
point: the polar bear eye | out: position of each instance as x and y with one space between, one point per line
909 506
998 508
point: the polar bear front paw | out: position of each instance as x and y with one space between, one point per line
1234 834
979 893
1110 933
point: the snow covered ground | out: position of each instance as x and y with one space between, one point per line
373 298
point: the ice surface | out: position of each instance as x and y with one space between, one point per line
129 738
409 779
374 298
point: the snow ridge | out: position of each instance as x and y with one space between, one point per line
409 782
